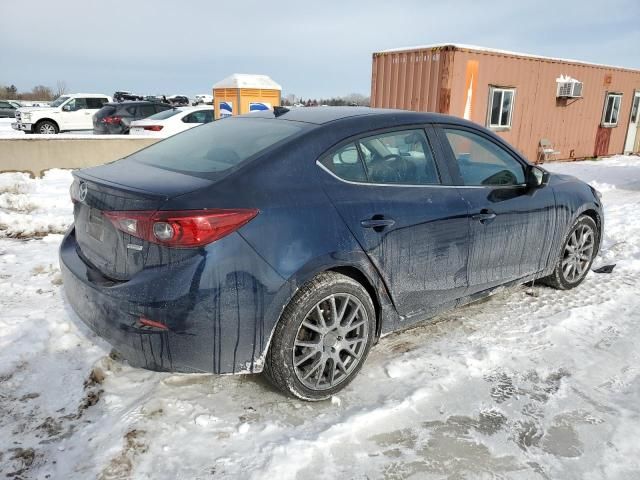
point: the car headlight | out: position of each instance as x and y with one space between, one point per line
26 116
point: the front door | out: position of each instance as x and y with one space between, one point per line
634 121
394 197
75 115
511 225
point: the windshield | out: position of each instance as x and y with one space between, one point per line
218 146
59 101
164 114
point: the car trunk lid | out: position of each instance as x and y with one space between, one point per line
114 253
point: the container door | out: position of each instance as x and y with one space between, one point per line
632 132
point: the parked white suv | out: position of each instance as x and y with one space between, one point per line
68 112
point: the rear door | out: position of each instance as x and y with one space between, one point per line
398 202
511 225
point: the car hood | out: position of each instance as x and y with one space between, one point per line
34 109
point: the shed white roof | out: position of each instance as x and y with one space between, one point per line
246 80
477 48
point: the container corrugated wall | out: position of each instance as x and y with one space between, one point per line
416 80
442 85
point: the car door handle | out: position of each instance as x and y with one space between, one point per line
377 223
484 216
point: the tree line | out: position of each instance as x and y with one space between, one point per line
39 92
351 99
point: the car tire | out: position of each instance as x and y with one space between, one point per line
578 251
46 127
322 339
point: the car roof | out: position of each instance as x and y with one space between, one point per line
135 102
322 115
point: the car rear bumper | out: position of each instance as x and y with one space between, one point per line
102 129
217 320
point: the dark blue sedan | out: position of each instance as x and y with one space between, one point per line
290 241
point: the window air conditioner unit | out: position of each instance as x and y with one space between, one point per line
568 87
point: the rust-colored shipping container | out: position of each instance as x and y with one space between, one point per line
582 109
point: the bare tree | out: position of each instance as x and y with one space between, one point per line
39 92
61 88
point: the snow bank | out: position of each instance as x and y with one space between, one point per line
531 383
35 207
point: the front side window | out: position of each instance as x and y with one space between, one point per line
76 104
59 101
5 105
346 164
482 162
399 157
611 110
500 107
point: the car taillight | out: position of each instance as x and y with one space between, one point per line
153 128
115 120
183 228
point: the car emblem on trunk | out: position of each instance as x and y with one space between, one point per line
82 191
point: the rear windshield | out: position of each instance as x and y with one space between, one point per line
164 114
218 146
106 111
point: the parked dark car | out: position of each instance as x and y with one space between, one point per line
179 100
122 96
8 109
116 117
290 241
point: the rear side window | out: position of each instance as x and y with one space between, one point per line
201 116
95 103
346 164
402 157
217 146
146 110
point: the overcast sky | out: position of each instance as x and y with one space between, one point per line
312 49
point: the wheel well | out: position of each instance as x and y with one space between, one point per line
48 120
362 279
596 218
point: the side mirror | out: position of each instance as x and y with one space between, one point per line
537 177
66 108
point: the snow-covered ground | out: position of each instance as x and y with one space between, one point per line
532 383
7 132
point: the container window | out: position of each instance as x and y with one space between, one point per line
500 107
611 109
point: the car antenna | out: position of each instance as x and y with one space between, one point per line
277 111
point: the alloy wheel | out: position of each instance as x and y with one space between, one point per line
577 253
331 341
47 129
